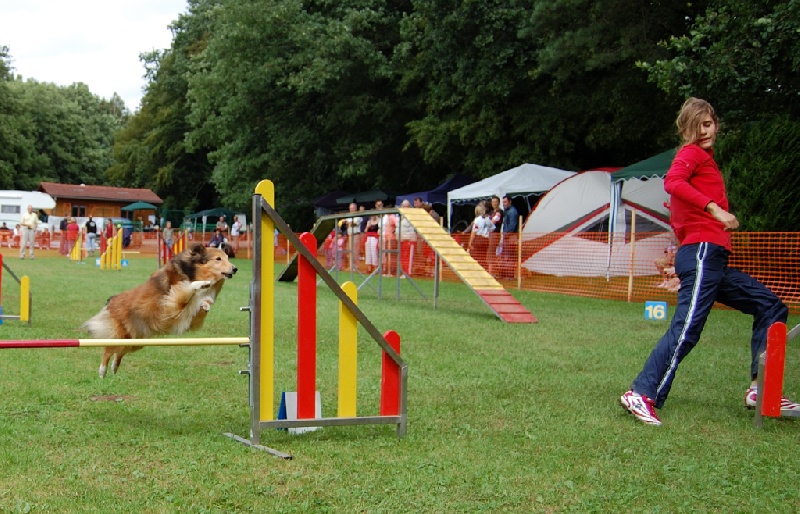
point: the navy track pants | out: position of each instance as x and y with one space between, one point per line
706 278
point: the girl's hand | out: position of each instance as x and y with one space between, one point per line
723 216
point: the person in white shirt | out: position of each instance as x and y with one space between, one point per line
29 222
408 241
236 228
482 227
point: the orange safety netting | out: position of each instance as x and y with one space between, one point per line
578 264
585 264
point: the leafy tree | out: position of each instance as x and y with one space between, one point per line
301 93
150 151
743 56
16 144
551 81
71 132
760 161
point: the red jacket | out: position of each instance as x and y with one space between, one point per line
693 181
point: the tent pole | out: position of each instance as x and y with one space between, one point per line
633 254
519 253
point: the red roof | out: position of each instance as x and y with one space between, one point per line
108 193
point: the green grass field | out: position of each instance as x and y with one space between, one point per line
502 418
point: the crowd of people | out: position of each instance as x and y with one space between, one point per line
363 238
29 235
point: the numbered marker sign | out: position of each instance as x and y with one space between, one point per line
655 310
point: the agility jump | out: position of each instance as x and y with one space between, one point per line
262 323
25 296
261 341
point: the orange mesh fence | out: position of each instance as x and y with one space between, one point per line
585 264
588 264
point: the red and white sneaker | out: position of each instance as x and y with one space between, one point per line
751 395
642 407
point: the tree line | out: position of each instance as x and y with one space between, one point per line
399 95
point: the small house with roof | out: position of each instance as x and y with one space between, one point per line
99 201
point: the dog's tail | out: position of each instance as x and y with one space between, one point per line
101 325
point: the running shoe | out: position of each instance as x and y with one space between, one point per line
751 396
642 407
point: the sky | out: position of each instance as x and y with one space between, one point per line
96 42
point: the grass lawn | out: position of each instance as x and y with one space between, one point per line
519 418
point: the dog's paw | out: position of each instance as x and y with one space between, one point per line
102 372
201 284
206 304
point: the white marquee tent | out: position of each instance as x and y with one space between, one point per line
523 180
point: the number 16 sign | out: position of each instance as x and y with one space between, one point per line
655 310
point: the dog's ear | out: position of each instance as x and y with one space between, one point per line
198 252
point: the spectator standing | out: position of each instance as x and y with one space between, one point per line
389 229
408 241
91 235
29 222
222 225
236 229
72 233
168 234
371 244
509 237
352 227
62 227
479 235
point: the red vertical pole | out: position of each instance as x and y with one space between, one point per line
306 331
1 287
390 378
773 370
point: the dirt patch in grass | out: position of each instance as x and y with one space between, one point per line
111 398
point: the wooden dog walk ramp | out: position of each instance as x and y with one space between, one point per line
488 289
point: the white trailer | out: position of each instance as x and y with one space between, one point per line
14 203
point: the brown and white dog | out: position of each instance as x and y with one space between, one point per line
176 298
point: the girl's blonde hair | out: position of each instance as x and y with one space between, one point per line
690 118
480 210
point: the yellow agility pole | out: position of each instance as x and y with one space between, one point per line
76 254
348 354
266 311
25 299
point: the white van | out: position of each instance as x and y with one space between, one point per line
14 203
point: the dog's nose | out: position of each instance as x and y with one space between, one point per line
235 269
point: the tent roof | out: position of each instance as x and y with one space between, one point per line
524 179
365 196
139 206
570 201
582 196
215 213
655 166
328 200
439 193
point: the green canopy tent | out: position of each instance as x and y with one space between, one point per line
140 206
214 215
655 166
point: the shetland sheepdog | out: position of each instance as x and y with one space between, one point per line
176 298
